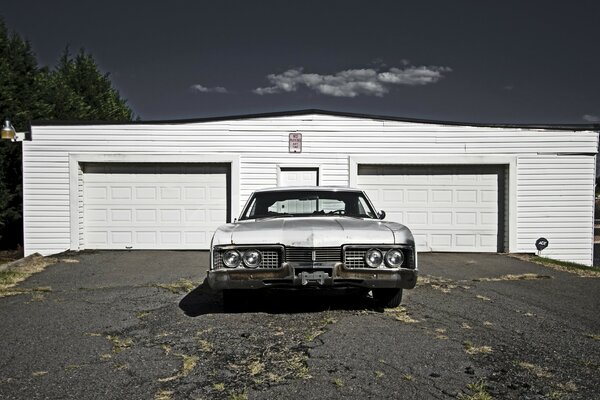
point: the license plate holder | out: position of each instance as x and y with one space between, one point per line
317 277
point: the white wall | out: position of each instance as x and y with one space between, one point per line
562 202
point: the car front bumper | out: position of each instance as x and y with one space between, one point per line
298 276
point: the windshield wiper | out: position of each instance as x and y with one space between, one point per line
273 216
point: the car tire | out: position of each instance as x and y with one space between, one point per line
388 298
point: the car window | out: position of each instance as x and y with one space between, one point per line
296 203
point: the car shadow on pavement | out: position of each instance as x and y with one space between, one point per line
204 300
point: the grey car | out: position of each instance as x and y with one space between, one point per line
313 237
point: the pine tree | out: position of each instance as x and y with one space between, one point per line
75 90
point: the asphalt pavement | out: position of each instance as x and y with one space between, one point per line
141 324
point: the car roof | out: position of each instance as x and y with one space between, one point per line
309 188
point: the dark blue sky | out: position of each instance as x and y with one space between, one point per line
472 61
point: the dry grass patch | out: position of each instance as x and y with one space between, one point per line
9 279
511 277
578 269
219 387
440 333
179 287
478 391
536 370
238 396
400 314
470 348
188 363
119 344
164 395
594 336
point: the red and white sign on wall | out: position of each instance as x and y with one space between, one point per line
295 142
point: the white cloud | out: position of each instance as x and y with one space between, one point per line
353 82
204 89
413 75
591 118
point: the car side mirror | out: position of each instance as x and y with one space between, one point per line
381 214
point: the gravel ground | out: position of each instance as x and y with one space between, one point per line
142 325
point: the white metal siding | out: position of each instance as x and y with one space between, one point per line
262 144
556 201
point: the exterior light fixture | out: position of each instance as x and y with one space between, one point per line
8 131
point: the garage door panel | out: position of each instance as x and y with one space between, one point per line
448 208
151 207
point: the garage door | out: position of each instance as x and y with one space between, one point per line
153 206
448 208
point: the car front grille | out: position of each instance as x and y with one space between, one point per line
355 258
305 254
270 258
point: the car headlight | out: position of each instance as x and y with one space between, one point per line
394 258
252 258
232 258
373 258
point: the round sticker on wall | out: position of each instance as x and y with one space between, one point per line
541 243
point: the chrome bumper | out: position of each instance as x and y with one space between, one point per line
325 276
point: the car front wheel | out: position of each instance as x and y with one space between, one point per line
388 298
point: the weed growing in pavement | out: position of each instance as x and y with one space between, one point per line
437 283
379 374
440 333
204 345
179 287
594 336
484 298
39 373
10 278
564 266
408 377
164 395
511 277
219 387
238 396
470 348
119 344
188 363
338 382
536 370
478 392
400 314
590 364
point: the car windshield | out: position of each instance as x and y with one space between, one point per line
302 203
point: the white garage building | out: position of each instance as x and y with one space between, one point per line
169 184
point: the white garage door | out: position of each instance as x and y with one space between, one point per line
448 208
153 206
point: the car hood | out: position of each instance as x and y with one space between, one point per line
313 232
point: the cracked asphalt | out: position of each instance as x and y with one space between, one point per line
141 324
